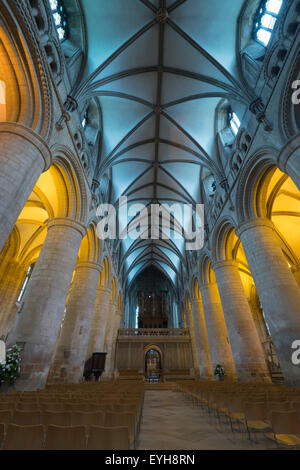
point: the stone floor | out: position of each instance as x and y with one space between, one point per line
171 422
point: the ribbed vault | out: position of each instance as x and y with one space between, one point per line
159 70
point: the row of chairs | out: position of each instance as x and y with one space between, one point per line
259 409
52 437
72 405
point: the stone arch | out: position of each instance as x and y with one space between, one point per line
223 238
276 199
195 288
29 99
206 274
114 290
90 249
248 195
105 274
74 180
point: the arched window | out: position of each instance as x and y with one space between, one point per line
234 122
28 275
60 18
265 20
85 120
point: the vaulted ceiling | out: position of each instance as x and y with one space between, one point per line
159 69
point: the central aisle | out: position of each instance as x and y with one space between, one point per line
169 422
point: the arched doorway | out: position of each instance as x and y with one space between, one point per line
153 365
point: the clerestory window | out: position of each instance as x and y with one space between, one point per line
60 18
265 21
234 122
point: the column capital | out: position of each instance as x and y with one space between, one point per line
14 128
249 224
225 263
90 265
67 222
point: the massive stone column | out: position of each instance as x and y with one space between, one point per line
71 348
99 322
44 301
220 349
114 337
191 326
277 289
248 354
204 357
108 345
10 286
23 157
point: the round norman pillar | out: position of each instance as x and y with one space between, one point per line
191 326
220 349
277 289
204 357
248 354
71 349
44 301
99 322
108 345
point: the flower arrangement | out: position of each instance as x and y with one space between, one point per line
219 371
10 371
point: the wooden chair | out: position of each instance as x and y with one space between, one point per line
87 418
9 405
295 405
256 417
2 432
65 438
60 418
52 407
24 437
27 406
6 416
122 420
26 418
285 429
106 438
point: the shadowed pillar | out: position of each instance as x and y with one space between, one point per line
23 157
108 345
248 354
10 286
71 349
277 289
220 349
44 300
191 326
116 326
99 322
205 365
